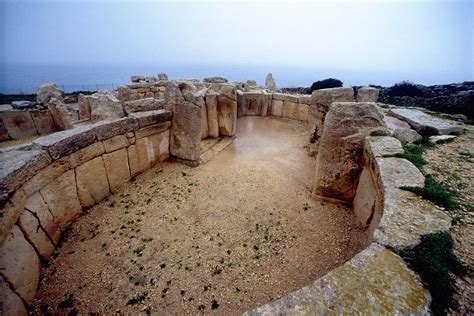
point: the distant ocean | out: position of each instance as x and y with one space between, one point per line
21 78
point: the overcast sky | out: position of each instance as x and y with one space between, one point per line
403 37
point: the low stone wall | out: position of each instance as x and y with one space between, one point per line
18 124
45 186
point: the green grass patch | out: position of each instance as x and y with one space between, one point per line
414 153
433 259
379 133
469 122
466 154
436 192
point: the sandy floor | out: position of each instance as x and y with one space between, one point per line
221 238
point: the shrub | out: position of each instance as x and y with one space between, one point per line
324 84
433 259
405 88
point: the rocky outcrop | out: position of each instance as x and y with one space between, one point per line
424 123
340 160
270 83
47 91
61 117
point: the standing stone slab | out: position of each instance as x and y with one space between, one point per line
92 183
45 176
211 104
270 82
117 168
204 124
365 200
36 235
3 132
138 157
61 198
340 155
36 205
19 264
61 117
10 212
18 123
367 94
424 123
85 154
43 121
226 108
277 107
322 99
160 145
10 303
185 142
374 282
84 107
64 143
115 143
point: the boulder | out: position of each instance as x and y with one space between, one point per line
162 76
367 94
215 80
61 117
20 105
105 105
407 135
270 83
136 79
425 124
147 104
340 155
47 91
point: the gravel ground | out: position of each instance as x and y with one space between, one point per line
221 238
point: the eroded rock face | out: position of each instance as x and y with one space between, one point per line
104 105
367 94
270 83
374 282
61 117
47 91
339 159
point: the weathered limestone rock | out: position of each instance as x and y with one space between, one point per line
66 142
152 129
10 211
19 264
160 144
92 184
374 282
380 146
48 91
406 217
18 124
10 303
407 135
162 76
266 103
113 127
399 172
152 117
289 109
104 105
215 80
365 200
441 139
138 157
18 166
252 103
43 121
340 157
204 126
270 83
21 105
61 198
147 104
277 107
117 168
367 94
302 112
226 108
115 143
36 235
137 78
61 116
36 205
151 79
322 99
3 132
424 123
186 131
393 123
211 104
46 175
85 154
84 107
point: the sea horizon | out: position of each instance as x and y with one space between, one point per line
17 78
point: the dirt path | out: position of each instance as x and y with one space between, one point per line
221 238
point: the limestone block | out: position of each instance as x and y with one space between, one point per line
365 200
10 212
10 303
441 139
84 107
160 145
152 129
302 112
61 117
407 217
186 130
152 117
241 108
36 205
407 135
19 264
117 168
393 123
85 154
204 124
64 143
46 175
289 109
62 200
18 166
399 172
18 124
266 102
104 105
424 123
285 97
340 156
277 107
115 143
35 234
48 91
92 183
211 104
380 146
113 127
374 282
138 157
226 115
149 94
147 104
367 94
43 121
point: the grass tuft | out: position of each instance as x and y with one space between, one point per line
414 153
379 133
434 260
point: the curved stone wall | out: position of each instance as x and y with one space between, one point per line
45 186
